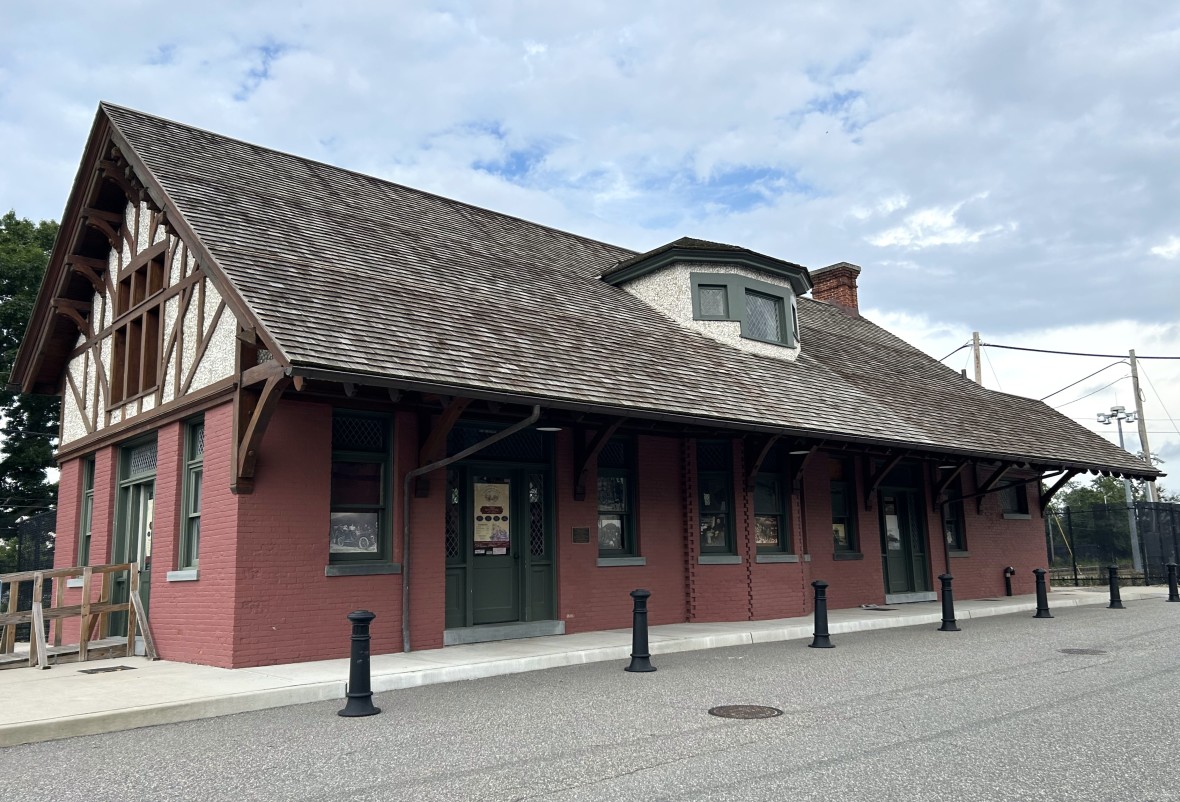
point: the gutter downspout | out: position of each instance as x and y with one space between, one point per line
434 466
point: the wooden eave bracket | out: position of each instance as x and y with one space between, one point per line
1047 495
756 454
797 470
941 488
586 454
987 486
435 446
77 311
253 410
876 479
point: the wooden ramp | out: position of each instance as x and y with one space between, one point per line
94 610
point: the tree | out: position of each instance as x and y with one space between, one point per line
29 422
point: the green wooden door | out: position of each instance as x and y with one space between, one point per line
500 564
133 544
903 542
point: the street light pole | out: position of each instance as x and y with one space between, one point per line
1118 415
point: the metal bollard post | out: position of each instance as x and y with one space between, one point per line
821 639
1008 573
359 692
1173 593
948 605
1042 595
1116 598
640 655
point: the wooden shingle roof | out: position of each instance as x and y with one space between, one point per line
353 274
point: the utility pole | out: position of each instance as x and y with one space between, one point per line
978 365
1151 494
1118 415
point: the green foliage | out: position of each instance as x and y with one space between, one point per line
30 422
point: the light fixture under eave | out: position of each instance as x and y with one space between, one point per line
806 451
548 428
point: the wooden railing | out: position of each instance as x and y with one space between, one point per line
94 614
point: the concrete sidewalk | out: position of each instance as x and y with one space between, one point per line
40 705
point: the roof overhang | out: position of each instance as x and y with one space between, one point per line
630 269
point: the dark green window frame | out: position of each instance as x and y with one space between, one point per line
86 515
845 537
1014 501
772 506
617 462
737 287
716 514
190 509
352 538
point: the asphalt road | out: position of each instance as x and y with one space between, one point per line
995 712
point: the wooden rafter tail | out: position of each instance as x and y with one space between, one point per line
589 453
77 311
254 409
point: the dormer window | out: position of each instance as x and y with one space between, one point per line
766 312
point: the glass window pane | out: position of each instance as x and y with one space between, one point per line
356 483
714 494
612 494
764 316
194 492
714 529
766 530
714 301
767 500
610 532
839 507
841 537
355 532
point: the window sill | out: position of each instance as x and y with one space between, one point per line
955 554
605 562
183 575
719 559
1017 516
848 555
362 569
777 558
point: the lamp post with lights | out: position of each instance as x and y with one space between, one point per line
1118 415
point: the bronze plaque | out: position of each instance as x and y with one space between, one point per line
581 534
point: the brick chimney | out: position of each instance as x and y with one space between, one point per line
836 284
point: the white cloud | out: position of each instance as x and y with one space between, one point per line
934 226
1169 250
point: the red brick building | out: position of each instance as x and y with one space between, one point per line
290 391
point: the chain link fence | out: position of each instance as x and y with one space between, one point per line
33 541
1141 538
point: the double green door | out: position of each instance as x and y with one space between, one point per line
500 566
903 541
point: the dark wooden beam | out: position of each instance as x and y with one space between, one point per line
941 488
77 311
349 389
875 480
756 455
104 227
260 374
1048 494
987 486
796 471
97 265
586 454
435 447
85 272
254 409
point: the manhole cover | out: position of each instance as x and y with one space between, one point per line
106 670
745 711
1081 651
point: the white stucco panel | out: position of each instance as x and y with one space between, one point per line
73 418
142 232
218 360
669 291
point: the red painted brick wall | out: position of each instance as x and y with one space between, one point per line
428 552
995 542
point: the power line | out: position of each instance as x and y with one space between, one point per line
957 350
1079 381
993 369
1087 395
1157 398
1070 353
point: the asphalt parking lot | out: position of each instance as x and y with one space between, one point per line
996 711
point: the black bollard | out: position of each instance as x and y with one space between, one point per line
1173 594
1008 572
948 605
640 656
359 691
1116 598
821 639
1042 595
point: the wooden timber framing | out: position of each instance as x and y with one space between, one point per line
585 454
1047 494
756 453
796 469
873 481
940 487
255 400
991 482
434 447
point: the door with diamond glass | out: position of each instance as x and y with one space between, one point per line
510 568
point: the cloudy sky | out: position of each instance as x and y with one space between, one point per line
1012 168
